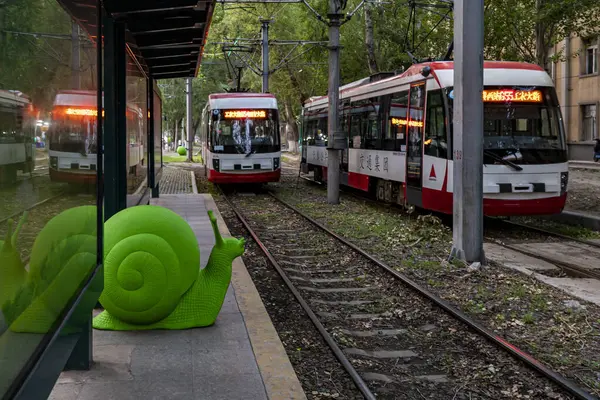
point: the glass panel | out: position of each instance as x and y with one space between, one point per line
245 132
415 135
398 120
137 133
436 142
48 163
521 124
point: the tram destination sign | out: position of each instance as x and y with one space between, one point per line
243 114
512 95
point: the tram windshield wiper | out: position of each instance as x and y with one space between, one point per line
502 160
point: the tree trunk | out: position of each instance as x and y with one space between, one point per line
292 131
369 40
541 51
175 144
296 85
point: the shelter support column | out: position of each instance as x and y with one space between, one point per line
115 132
468 128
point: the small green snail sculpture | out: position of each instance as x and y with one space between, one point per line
62 257
12 271
152 275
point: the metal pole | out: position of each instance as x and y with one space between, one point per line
265 54
75 57
188 92
334 143
468 131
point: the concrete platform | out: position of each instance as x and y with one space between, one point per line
240 357
577 218
583 289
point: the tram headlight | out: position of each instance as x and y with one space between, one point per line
564 182
54 162
276 163
216 164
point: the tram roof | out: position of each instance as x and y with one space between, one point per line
247 100
495 73
167 37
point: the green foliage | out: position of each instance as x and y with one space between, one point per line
39 65
510 34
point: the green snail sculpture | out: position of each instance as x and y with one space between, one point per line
62 257
12 271
152 275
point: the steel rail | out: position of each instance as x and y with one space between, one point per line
358 381
550 233
30 207
500 342
574 270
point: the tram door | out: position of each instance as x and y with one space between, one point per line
414 152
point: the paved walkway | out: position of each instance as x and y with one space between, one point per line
239 358
175 180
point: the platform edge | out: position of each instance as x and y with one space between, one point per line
279 377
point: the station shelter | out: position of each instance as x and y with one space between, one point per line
55 72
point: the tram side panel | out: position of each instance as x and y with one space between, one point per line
379 120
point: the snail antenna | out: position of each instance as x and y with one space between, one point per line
213 221
9 225
18 228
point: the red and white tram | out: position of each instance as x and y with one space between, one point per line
17 128
399 133
240 138
72 137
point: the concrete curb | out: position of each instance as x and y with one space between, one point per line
194 186
279 377
577 219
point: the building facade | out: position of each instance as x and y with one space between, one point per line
574 67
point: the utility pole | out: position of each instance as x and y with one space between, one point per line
468 128
265 53
75 57
334 144
188 92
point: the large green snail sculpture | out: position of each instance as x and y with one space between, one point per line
62 256
12 271
152 275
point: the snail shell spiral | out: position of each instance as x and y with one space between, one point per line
151 258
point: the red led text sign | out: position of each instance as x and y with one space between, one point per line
240 114
511 95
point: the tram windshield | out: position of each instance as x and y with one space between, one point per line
523 125
245 131
73 133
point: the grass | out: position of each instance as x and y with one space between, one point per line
168 159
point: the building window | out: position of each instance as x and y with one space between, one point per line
589 124
591 60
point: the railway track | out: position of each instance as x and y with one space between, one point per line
568 268
394 343
31 207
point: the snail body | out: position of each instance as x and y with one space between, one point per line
12 271
152 276
62 257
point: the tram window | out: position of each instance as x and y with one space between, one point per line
396 132
522 125
436 141
354 136
372 128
